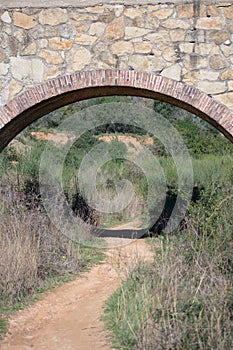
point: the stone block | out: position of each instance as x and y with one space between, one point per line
120 48
186 47
81 27
218 62
174 23
208 75
24 69
226 99
219 37
159 37
51 57
97 28
135 32
191 78
146 63
85 39
52 72
5 17
115 30
77 58
2 56
24 21
14 88
58 43
142 47
227 75
31 49
228 12
134 12
210 23
53 16
4 67
227 50
212 87
177 35
163 13
172 72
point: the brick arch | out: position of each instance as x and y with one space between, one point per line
42 99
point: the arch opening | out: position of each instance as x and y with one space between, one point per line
42 99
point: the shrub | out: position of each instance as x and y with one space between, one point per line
183 300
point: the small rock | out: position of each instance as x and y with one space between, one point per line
5 17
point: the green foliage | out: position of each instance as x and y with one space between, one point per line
53 119
117 150
183 299
202 141
80 147
199 137
3 326
124 311
167 110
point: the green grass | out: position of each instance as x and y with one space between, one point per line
124 313
183 300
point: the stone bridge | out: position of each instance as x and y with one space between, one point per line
178 51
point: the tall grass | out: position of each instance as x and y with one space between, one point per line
34 255
31 251
207 169
183 300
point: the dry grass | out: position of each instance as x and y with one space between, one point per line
31 251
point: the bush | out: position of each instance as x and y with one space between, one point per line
183 300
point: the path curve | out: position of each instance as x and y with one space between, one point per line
68 317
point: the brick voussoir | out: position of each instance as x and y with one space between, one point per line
156 84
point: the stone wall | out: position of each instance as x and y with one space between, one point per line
189 42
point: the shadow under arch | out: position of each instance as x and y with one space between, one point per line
38 101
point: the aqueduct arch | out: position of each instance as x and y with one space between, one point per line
54 54
42 99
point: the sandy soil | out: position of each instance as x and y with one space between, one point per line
68 317
56 137
133 145
131 142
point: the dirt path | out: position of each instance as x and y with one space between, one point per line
135 225
68 318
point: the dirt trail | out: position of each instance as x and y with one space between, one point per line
68 318
136 225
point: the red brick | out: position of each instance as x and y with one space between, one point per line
144 83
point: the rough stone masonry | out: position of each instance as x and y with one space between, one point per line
188 41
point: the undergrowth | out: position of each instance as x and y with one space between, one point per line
183 300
